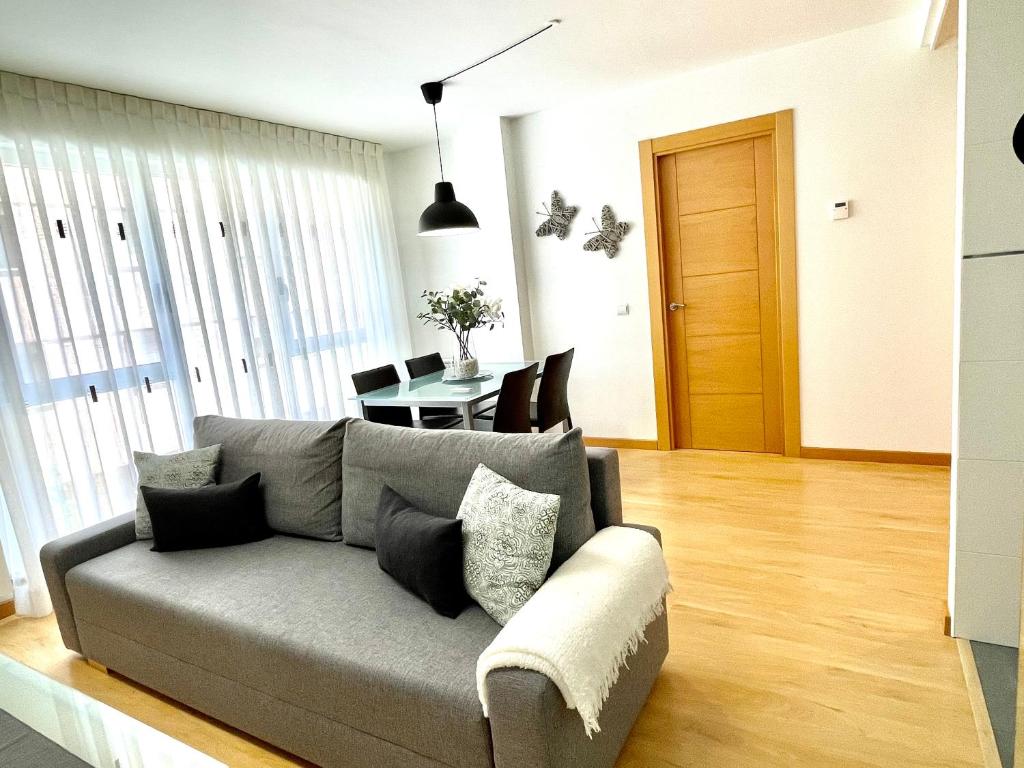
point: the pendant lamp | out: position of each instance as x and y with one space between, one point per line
446 215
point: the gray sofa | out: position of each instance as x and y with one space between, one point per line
308 645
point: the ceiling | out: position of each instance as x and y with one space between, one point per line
354 67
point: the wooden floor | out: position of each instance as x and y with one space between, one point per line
806 622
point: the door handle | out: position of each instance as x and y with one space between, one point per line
674 306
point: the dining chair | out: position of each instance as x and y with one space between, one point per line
552 406
398 416
512 411
424 366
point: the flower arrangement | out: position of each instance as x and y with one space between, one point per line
460 310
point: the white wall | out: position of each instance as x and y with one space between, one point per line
474 161
875 123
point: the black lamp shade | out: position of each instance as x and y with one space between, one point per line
446 215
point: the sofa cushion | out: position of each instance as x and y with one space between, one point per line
432 469
316 624
189 469
300 462
212 516
422 552
509 533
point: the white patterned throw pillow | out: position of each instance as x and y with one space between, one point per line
508 534
189 469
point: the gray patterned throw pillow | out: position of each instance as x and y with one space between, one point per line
190 469
508 534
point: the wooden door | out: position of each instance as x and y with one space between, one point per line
717 217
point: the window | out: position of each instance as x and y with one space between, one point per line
158 262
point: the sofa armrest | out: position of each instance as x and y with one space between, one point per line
532 728
605 486
655 532
61 555
530 724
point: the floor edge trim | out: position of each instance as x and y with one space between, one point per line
986 738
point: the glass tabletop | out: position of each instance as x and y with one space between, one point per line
431 390
97 734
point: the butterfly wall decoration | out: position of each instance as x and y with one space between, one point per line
608 235
559 217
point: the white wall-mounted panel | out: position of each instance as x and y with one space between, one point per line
992 314
987 598
992 411
995 82
990 495
982 14
993 199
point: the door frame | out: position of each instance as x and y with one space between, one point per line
779 126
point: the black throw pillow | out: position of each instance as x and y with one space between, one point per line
422 552
209 516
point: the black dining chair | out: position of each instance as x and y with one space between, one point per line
398 416
512 411
552 406
424 366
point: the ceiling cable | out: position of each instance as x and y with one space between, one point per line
552 23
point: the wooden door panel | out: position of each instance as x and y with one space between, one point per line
712 178
675 322
774 436
724 364
727 422
719 241
722 304
716 220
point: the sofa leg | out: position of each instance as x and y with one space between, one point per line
97 665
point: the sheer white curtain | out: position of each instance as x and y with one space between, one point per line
157 262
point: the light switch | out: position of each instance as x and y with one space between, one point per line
622 309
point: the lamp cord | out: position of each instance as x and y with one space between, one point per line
503 50
437 133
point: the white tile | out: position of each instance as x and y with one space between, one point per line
987 598
995 82
992 411
992 309
994 13
990 507
993 199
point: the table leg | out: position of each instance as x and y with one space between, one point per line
467 415
362 408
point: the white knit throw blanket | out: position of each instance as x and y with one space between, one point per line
585 620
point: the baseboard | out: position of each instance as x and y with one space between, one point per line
6 609
621 442
885 457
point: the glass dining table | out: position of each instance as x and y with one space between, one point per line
432 391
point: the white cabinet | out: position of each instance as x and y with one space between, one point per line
989 492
